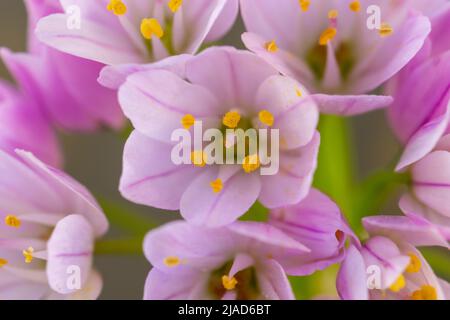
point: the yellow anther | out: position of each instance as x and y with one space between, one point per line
174 5
333 14
198 158
150 28
414 264
426 292
117 7
12 221
187 121
231 119
298 92
229 283
327 36
271 46
216 185
385 30
399 284
28 254
172 261
355 6
304 4
251 163
266 118
3 262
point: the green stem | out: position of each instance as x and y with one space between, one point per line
125 246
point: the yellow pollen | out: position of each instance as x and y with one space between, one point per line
385 30
327 36
266 118
229 283
174 5
12 221
117 7
304 4
198 158
3 262
355 6
414 265
216 185
150 27
333 14
271 46
426 292
172 261
231 119
299 92
187 121
399 284
28 254
251 163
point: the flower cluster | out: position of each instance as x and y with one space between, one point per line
248 121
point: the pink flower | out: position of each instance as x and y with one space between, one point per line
241 261
223 88
64 87
22 125
429 193
317 223
388 266
138 31
48 226
328 45
421 111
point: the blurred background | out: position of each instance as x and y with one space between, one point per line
95 161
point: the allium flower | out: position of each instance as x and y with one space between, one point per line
224 89
241 261
388 266
47 231
317 223
421 111
138 31
22 125
429 194
328 45
64 86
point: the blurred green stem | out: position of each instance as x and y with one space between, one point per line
119 246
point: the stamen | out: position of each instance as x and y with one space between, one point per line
299 92
340 235
216 185
231 119
426 292
327 36
3 262
355 6
188 121
271 46
333 14
304 4
150 27
198 158
174 5
12 221
385 30
251 163
414 265
229 283
28 254
117 7
266 118
399 284
172 261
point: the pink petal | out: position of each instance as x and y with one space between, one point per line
350 105
351 280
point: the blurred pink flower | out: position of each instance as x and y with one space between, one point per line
388 266
23 126
328 46
63 86
138 31
217 83
48 226
244 260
